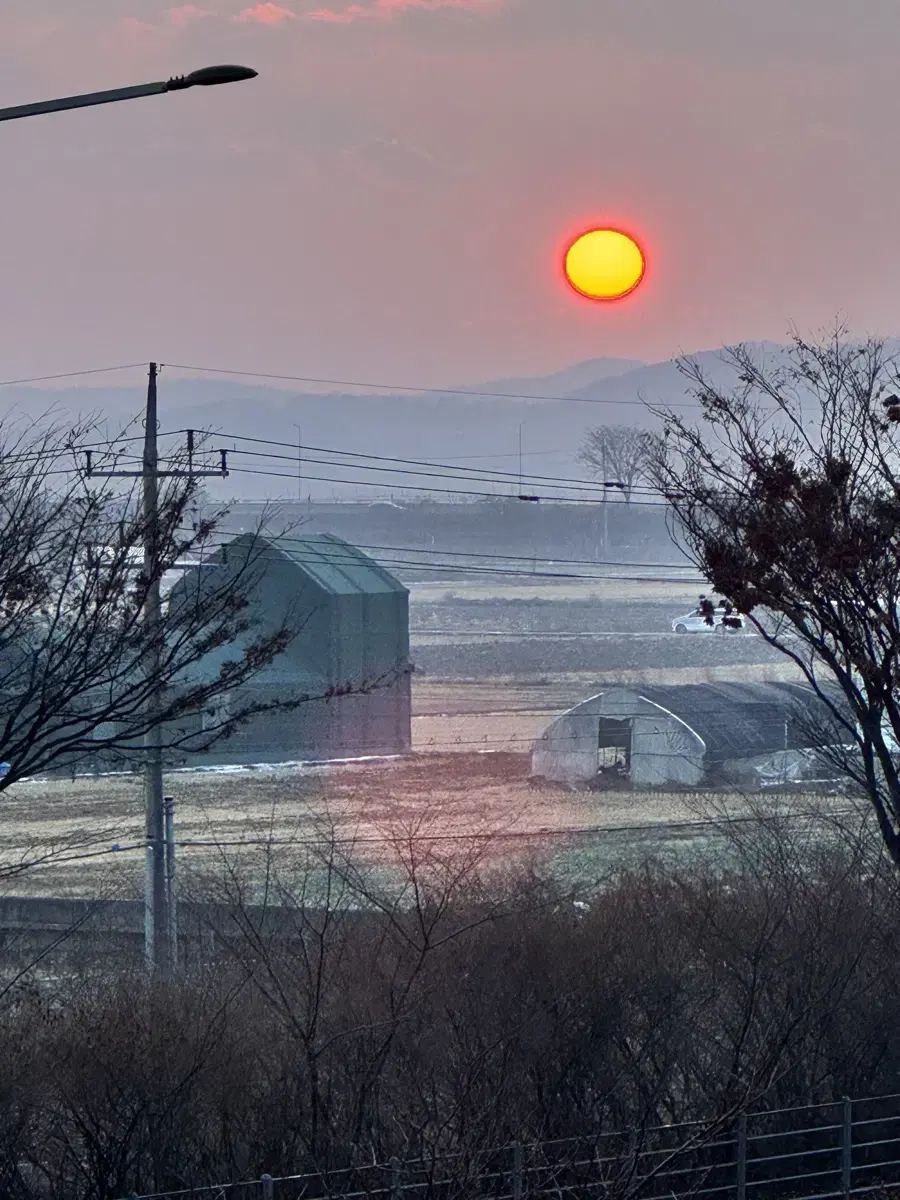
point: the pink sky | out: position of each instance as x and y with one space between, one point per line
388 200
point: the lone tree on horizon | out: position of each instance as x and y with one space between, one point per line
786 496
617 453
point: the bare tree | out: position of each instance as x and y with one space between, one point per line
74 644
787 497
617 454
340 1015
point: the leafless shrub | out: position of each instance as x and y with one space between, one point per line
347 1015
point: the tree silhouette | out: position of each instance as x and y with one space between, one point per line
786 496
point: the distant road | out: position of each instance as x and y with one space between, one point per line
510 635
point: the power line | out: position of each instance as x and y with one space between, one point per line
587 562
501 835
381 457
55 452
426 391
545 832
70 374
353 561
478 473
565 451
472 477
409 487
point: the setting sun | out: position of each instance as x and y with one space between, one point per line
604 264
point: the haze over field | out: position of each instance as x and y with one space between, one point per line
478 431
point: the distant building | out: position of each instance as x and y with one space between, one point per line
693 734
351 618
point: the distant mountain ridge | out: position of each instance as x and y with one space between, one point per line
351 440
559 383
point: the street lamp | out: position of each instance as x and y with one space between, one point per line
205 77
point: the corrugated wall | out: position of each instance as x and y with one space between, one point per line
345 640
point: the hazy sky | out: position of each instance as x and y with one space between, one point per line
388 200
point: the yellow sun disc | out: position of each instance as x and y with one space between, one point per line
604 264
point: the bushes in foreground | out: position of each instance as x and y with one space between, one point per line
468 1012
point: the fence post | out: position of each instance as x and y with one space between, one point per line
517 1179
395 1178
846 1146
741 1190
268 1187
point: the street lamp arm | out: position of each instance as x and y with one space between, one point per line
205 77
85 101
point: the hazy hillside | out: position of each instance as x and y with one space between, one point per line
480 432
663 381
561 383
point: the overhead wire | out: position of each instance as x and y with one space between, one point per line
448 472
476 472
332 553
55 452
588 562
425 391
547 832
585 485
562 452
489 475
351 560
492 835
70 374
408 487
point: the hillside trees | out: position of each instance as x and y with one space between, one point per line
786 495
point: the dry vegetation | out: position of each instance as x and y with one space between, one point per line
439 798
444 796
475 1009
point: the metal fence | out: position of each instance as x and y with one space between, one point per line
818 1152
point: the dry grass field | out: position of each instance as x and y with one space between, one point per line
453 803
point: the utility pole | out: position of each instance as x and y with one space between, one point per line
160 930
172 925
299 461
605 498
156 916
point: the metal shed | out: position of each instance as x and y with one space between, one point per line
690 733
351 622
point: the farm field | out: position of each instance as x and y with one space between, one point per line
494 667
441 804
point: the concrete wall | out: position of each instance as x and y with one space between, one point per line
50 930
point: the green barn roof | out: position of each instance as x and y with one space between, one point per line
336 566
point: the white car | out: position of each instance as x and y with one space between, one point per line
695 622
